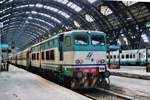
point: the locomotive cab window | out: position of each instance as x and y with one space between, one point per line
97 40
68 41
81 39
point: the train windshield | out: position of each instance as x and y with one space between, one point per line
98 40
81 39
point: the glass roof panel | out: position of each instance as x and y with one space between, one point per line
39 26
53 18
22 6
2 1
89 18
39 5
64 14
76 24
91 1
105 10
5 16
145 38
34 12
44 22
31 5
74 6
62 1
129 3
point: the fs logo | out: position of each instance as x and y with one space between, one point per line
89 55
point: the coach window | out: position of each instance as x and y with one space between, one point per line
130 55
81 39
47 55
114 56
33 56
107 56
52 55
68 41
127 56
42 55
37 56
122 56
133 55
110 56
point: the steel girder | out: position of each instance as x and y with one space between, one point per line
29 26
90 9
55 4
30 22
34 30
25 15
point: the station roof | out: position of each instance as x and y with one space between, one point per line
26 22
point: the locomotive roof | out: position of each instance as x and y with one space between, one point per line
68 32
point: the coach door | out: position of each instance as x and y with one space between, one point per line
148 59
61 55
61 39
28 60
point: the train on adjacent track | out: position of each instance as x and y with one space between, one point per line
77 58
138 57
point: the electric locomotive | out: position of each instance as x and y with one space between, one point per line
77 58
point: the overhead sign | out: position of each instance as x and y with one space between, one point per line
114 47
4 46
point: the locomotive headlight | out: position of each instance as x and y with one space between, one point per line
106 74
79 61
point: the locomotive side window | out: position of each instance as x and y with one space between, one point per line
68 41
97 40
81 39
42 55
52 55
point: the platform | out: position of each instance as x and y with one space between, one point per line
138 72
135 88
18 84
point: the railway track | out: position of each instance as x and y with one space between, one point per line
104 94
97 93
